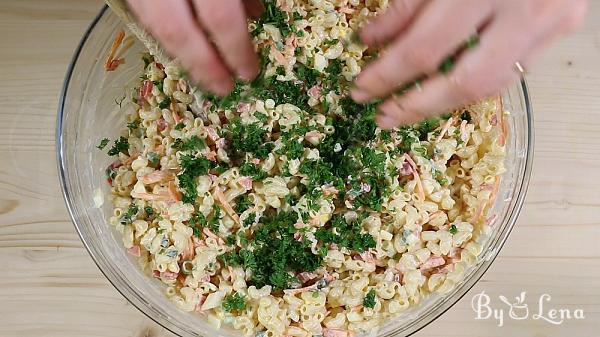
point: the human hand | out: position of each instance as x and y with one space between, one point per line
213 43
420 34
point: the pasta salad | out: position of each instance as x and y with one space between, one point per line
282 209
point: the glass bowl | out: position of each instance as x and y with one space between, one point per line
88 111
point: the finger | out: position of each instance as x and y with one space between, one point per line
225 22
478 74
423 47
172 23
254 8
391 22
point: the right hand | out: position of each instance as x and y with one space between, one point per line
211 39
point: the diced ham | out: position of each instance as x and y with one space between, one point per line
198 307
365 256
494 120
447 269
364 187
330 190
198 242
283 5
245 182
243 107
398 276
220 143
306 276
432 262
454 253
145 90
211 155
314 92
135 251
406 169
278 56
314 137
161 124
327 332
212 134
169 276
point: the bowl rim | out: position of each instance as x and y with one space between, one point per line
412 328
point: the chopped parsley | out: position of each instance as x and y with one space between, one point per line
194 143
243 203
179 126
369 300
149 211
192 168
197 222
250 219
120 146
251 170
453 230
133 125
235 302
158 85
103 143
261 116
292 149
250 138
164 103
331 42
276 254
348 235
130 215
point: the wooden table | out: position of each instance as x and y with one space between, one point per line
51 287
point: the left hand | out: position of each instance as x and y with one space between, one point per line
420 34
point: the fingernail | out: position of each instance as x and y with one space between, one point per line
360 95
390 108
247 74
222 87
386 121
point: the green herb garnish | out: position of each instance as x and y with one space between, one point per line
103 143
369 300
120 146
235 302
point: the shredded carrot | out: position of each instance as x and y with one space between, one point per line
176 117
129 160
420 190
230 211
449 122
113 50
174 194
210 234
188 252
157 176
127 43
313 286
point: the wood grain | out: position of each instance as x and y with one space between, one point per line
50 286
